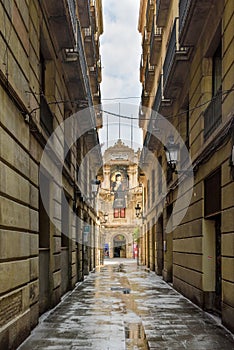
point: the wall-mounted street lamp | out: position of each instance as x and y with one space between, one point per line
138 210
172 151
172 154
94 189
105 216
231 163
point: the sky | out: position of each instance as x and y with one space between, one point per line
120 53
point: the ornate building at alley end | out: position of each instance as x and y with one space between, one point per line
118 196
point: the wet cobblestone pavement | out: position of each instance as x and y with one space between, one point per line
122 306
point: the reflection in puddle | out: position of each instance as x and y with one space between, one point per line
135 337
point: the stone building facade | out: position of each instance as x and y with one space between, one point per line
187 70
117 202
49 69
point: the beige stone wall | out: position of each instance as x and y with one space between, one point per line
194 239
23 261
189 244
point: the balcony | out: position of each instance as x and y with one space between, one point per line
151 141
83 64
142 70
93 75
93 12
62 21
160 104
99 117
162 10
99 70
141 117
84 13
145 44
97 43
149 14
213 115
175 65
89 46
97 96
145 96
193 15
75 68
149 76
155 43
72 11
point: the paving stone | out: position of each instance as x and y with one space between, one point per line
97 315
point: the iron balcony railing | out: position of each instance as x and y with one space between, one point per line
184 6
213 114
158 3
72 10
148 69
79 45
84 68
90 38
155 32
99 69
162 11
150 6
158 97
145 40
84 12
149 12
173 48
87 31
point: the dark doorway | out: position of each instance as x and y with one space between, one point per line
159 262
212 212
44 247
119 246
218 268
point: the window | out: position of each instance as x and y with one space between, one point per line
79 147
160 175
46 116
153 187
187 142
213 113
212 198
122 212
42 73
65 222
186 145
148 194
119 213
67 151
217 70
44 220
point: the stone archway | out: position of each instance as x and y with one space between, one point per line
119 246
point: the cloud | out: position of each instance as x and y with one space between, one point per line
120 49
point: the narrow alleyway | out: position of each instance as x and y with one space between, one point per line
122 306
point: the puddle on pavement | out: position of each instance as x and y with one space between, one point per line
135 336
124 290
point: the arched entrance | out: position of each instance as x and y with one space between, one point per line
119 246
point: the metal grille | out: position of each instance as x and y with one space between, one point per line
213 115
